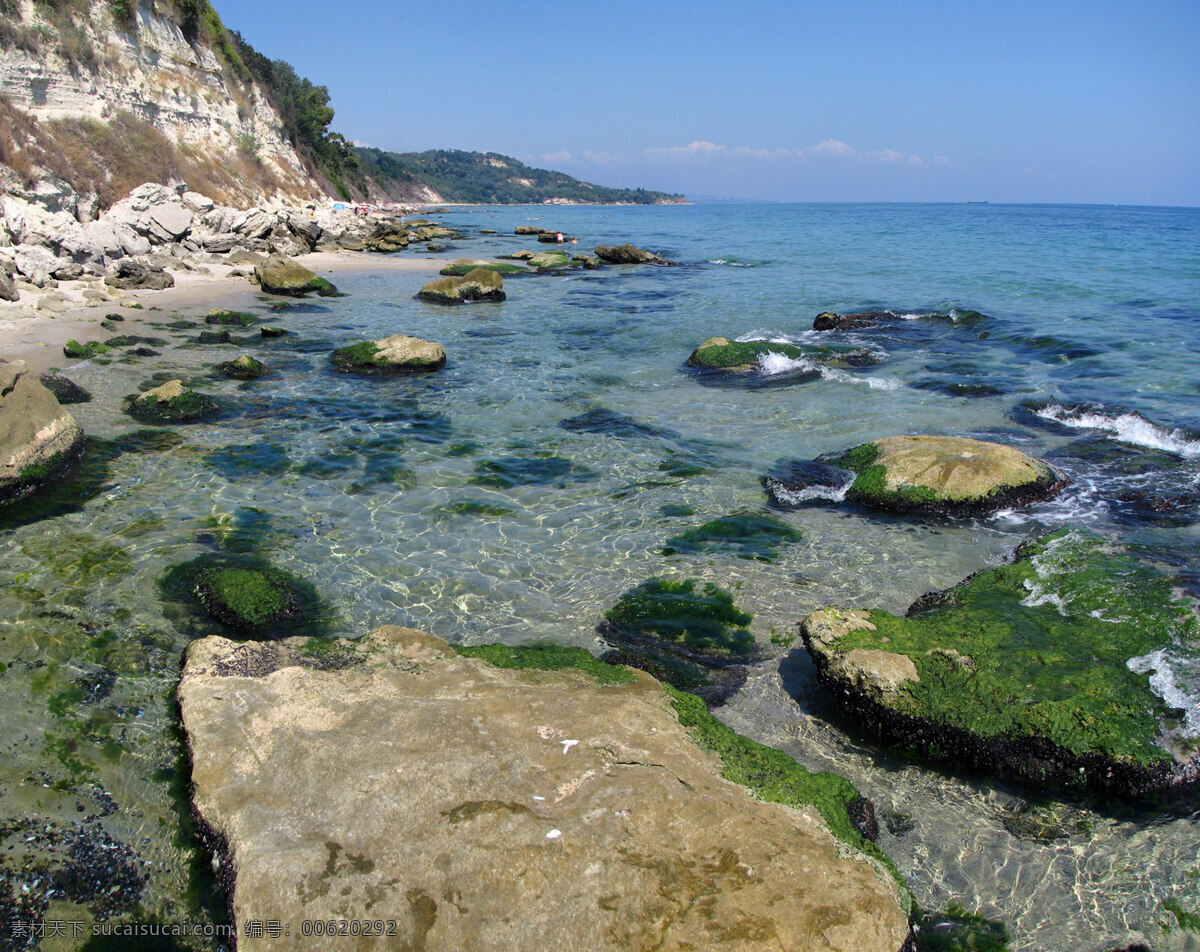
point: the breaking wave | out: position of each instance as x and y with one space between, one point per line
1123 427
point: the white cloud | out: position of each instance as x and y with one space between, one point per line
831 147
562 156
692 149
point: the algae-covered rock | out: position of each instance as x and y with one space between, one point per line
388 237
66 391
172 403
247 593
498 806
220 315
553 261
244 367
519 255
696 640
945 474
768 361
39 440
627 254
398 354
529 230
476 285
464 266
280 274
748 535
830 321
1069 667
72 348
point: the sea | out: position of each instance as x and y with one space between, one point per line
516 494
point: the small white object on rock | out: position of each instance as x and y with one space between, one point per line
568 744
554 834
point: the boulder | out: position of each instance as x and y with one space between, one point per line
829 321
131 275
244 367
553 261
171 403
39 440
8 289
280 274
65 391
950 475
627 254
1058 669
486 807
476 285
519 255
464 266
254 223
387 237
528 230
695 639
200 204
757 362
68 272
34 259
220 244
398 354
168 222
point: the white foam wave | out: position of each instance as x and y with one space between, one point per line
731 264
1125 428
1163 683
875 383
773 364
795 497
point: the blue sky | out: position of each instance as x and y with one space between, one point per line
858 100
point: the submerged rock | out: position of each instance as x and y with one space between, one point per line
222 316
244 368
39 440
794 483
464 266
765 361
398 354
477 284
697 641
172 403
949 475
509 808
1058 669
554 261
65 391
747 535
247 593
280 274
77 351
829 321
627 254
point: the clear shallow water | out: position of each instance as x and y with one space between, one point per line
360 485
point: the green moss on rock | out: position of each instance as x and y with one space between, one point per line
244 368
171 403
1037 669
548 656
944 474
693 640
464 266
748 535
219 315
72 348
248 594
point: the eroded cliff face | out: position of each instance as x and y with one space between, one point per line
70 71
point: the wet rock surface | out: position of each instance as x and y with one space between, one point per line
472 806
1057 669
949 475
39 440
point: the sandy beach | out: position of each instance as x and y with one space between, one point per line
36 334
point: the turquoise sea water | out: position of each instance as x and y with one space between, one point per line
460 504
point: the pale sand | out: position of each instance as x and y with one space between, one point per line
36 335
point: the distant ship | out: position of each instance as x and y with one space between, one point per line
975 201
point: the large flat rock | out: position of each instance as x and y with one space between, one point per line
486 808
